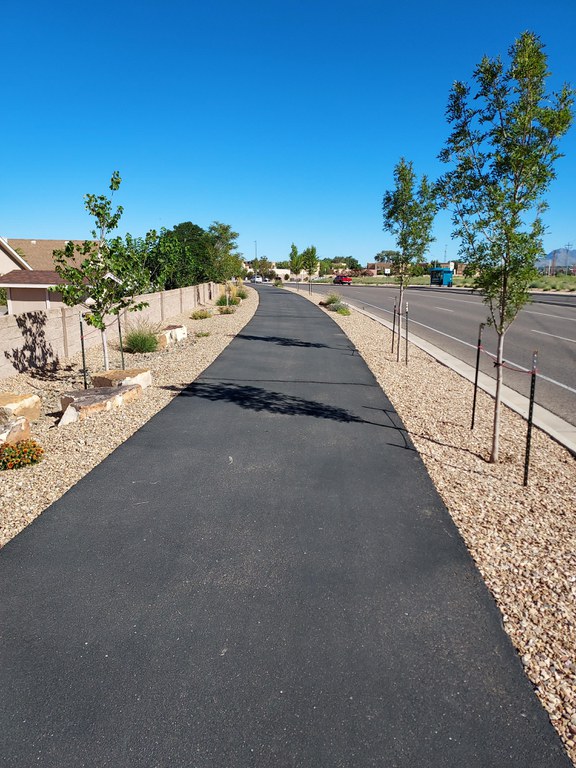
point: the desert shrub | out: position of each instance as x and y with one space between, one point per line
332 298
20 454
343 310
278 283
202 334
335 306
141 337
201 314
232 301
226 310
242 293
3 296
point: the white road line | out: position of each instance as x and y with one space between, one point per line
546 314
444 309
473 346
562 338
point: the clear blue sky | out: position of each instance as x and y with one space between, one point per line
282 118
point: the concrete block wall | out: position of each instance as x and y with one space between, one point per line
39 340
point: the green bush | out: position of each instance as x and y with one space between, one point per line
141 337
201 314
343 311
222 301
226 310
332 298
3 297
242 293
336 306
202 334
20 454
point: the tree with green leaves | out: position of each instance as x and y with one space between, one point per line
101 273
310 260
409 210
296 261
502 150
224 261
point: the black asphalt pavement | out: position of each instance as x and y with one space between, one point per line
263 575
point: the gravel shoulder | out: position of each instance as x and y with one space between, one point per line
522 539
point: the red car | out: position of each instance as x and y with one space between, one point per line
342 280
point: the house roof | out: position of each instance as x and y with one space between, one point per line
36 278
38 253
18 260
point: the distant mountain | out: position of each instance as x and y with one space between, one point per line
563 258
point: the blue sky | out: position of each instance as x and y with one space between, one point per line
282 118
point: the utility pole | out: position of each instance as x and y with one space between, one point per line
568 246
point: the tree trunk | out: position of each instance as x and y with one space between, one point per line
105 350
497 401
400 303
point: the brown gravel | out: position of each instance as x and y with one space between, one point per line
522 539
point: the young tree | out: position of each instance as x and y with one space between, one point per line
502 148
409 211
310 260
224 260
296 261
101 272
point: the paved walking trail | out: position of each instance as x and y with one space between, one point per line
263 575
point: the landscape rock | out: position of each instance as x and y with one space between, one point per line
21 405
81 403
13 428
122 378
171 334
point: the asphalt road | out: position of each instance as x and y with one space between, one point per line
450 319
263 575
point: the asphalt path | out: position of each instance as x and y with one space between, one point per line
450 319
263 575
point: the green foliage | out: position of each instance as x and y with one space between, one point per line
242 293
226 310
201 314
310 259
296 260
502 150
3 296
332 298
386 256
224 301
283 264
335 306
409 211
105 271
201 334
343 311
141 337
20 454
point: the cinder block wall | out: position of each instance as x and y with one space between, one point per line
41 339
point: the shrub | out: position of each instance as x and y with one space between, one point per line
201 314
141 337
226 310
20 454
335 306
221 301
343 310
242 293
202 334
332 298
3 296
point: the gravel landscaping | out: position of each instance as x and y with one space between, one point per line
522 539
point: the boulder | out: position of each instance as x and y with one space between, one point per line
79 404
171 334
20 405
13 428
122 378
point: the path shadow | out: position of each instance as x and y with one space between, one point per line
283 341
36 356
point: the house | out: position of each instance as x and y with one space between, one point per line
27 272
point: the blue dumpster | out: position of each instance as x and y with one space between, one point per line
441 276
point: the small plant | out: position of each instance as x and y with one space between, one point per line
202 334
141 337
332 298
20 454
222 301
343 310
226 310
201 314
3 297
242 293
335 306
277 283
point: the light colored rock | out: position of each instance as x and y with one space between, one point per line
13 428
171 334
122 378
21 405
81 403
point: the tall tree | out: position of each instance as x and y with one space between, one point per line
310 260
102 273
409 211
503 147
296 261
225 261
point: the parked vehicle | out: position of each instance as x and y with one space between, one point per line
342 280
441 276
256 279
